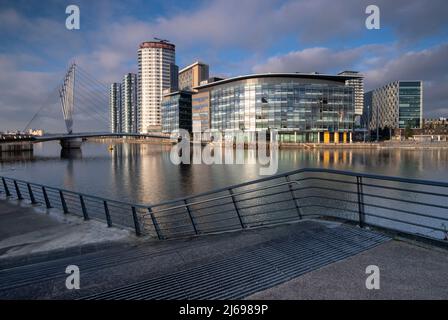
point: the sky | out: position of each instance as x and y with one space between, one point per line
234 37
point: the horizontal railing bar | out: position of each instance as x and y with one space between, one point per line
217 213
377 206
223 197
267 204
377 196
270 212
404 222
406 212
376 186
406 201
406 190
263 195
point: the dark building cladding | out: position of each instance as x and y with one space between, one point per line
176 112
174 77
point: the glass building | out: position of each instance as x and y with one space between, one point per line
395 106
176 111
301 107
410 104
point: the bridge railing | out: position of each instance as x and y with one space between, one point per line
410 206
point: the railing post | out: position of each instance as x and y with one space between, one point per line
155 224
136 222
299 212
83 207
30 192
237 210
191 217
360 201
8 194
47 200
106 211
63 203
18 193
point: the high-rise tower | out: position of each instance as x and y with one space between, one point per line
129 122
115 107
155 63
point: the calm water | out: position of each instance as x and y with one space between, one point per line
143 173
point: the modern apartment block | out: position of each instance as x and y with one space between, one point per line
396 105
176 111
155 65
115 107
192 75
357 82
302 107
129 118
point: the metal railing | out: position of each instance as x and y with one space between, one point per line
117 213
412 206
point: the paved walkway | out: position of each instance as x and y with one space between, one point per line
28 232
407 271
306 260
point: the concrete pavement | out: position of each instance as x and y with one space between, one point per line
240 264
27 232
408 270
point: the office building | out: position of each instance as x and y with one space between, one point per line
301 107
176 111
115 107
357 82
397 105
155 65
129 118
192 75
200 102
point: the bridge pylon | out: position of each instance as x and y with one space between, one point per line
67 95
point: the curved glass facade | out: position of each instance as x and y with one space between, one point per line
298 108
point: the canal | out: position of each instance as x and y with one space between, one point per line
143 173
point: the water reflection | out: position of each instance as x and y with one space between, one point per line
71 154
144 173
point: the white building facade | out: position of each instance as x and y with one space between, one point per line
155 60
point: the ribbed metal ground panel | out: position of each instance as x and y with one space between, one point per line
262 267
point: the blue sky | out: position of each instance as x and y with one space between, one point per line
233 37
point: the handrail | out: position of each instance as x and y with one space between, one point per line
224 197
164 219
304 170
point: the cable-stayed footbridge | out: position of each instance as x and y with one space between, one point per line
86 100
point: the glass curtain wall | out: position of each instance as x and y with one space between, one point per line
298 111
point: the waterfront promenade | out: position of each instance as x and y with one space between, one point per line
310 259
30 234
